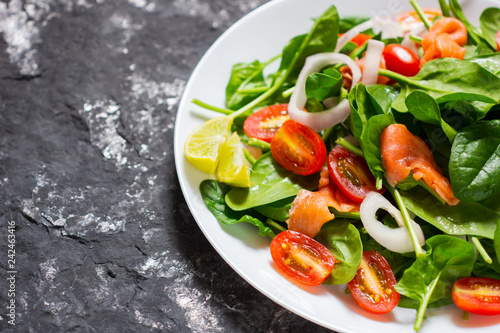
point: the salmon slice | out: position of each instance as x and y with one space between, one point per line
444 40
310 211
403 152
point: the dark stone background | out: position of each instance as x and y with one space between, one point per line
104 241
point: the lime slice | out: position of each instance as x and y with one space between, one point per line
233 168
202 147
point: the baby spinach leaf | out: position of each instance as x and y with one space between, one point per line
362 108
382 97
247 76
370 142
349 22
449 79
432 275
343 240
466 218
277 210
482 268
425 108
213 193
490 24
319 86
475 161
270 182
488 62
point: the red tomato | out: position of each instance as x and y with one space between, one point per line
298 148
373 285
498 40
351 174
477 295
302 258
401 60
264 123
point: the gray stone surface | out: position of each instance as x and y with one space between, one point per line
104 241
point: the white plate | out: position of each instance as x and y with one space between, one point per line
261 35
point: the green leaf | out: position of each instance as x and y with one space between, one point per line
320 86
475 161
213 193
269 182
466 218
432 275
278 210
343 240
245 76
490 24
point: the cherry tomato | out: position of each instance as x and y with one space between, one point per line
498 40
351 174
401 60
301 257
298 148
373 285
477 295
265 123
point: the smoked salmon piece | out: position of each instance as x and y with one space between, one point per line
444 40
310 211
403 152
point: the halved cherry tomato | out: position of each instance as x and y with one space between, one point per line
298 148
498 40
302 258
477 295
265 123
401 60
373 285
351 174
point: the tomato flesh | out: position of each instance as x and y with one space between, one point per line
373 285
265 123
477 295
302 258
498 40
298 148
351 174
401 60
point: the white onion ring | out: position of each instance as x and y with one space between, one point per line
396 240
372 61
389 28
319 121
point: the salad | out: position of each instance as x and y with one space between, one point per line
370 157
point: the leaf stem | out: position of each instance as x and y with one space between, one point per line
349 146
263 145
425 302
416 39
249 157
445 9
348 215
481 250
421 14
211 107
275 225
407 220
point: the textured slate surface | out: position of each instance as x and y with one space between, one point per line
105 242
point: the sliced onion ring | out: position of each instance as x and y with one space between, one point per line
372 61
319 121
394 239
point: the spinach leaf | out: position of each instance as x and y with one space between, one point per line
320 86
277 210
466 218
362 108
270 182
349 22
246 76
322 38
425 108
382 97
450 79
475 161
474 32
488 62
370 142
490 24
343 240
213 194
432 275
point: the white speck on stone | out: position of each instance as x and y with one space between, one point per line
148 234
146 321
159 93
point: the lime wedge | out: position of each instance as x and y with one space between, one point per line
202 147
233 168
